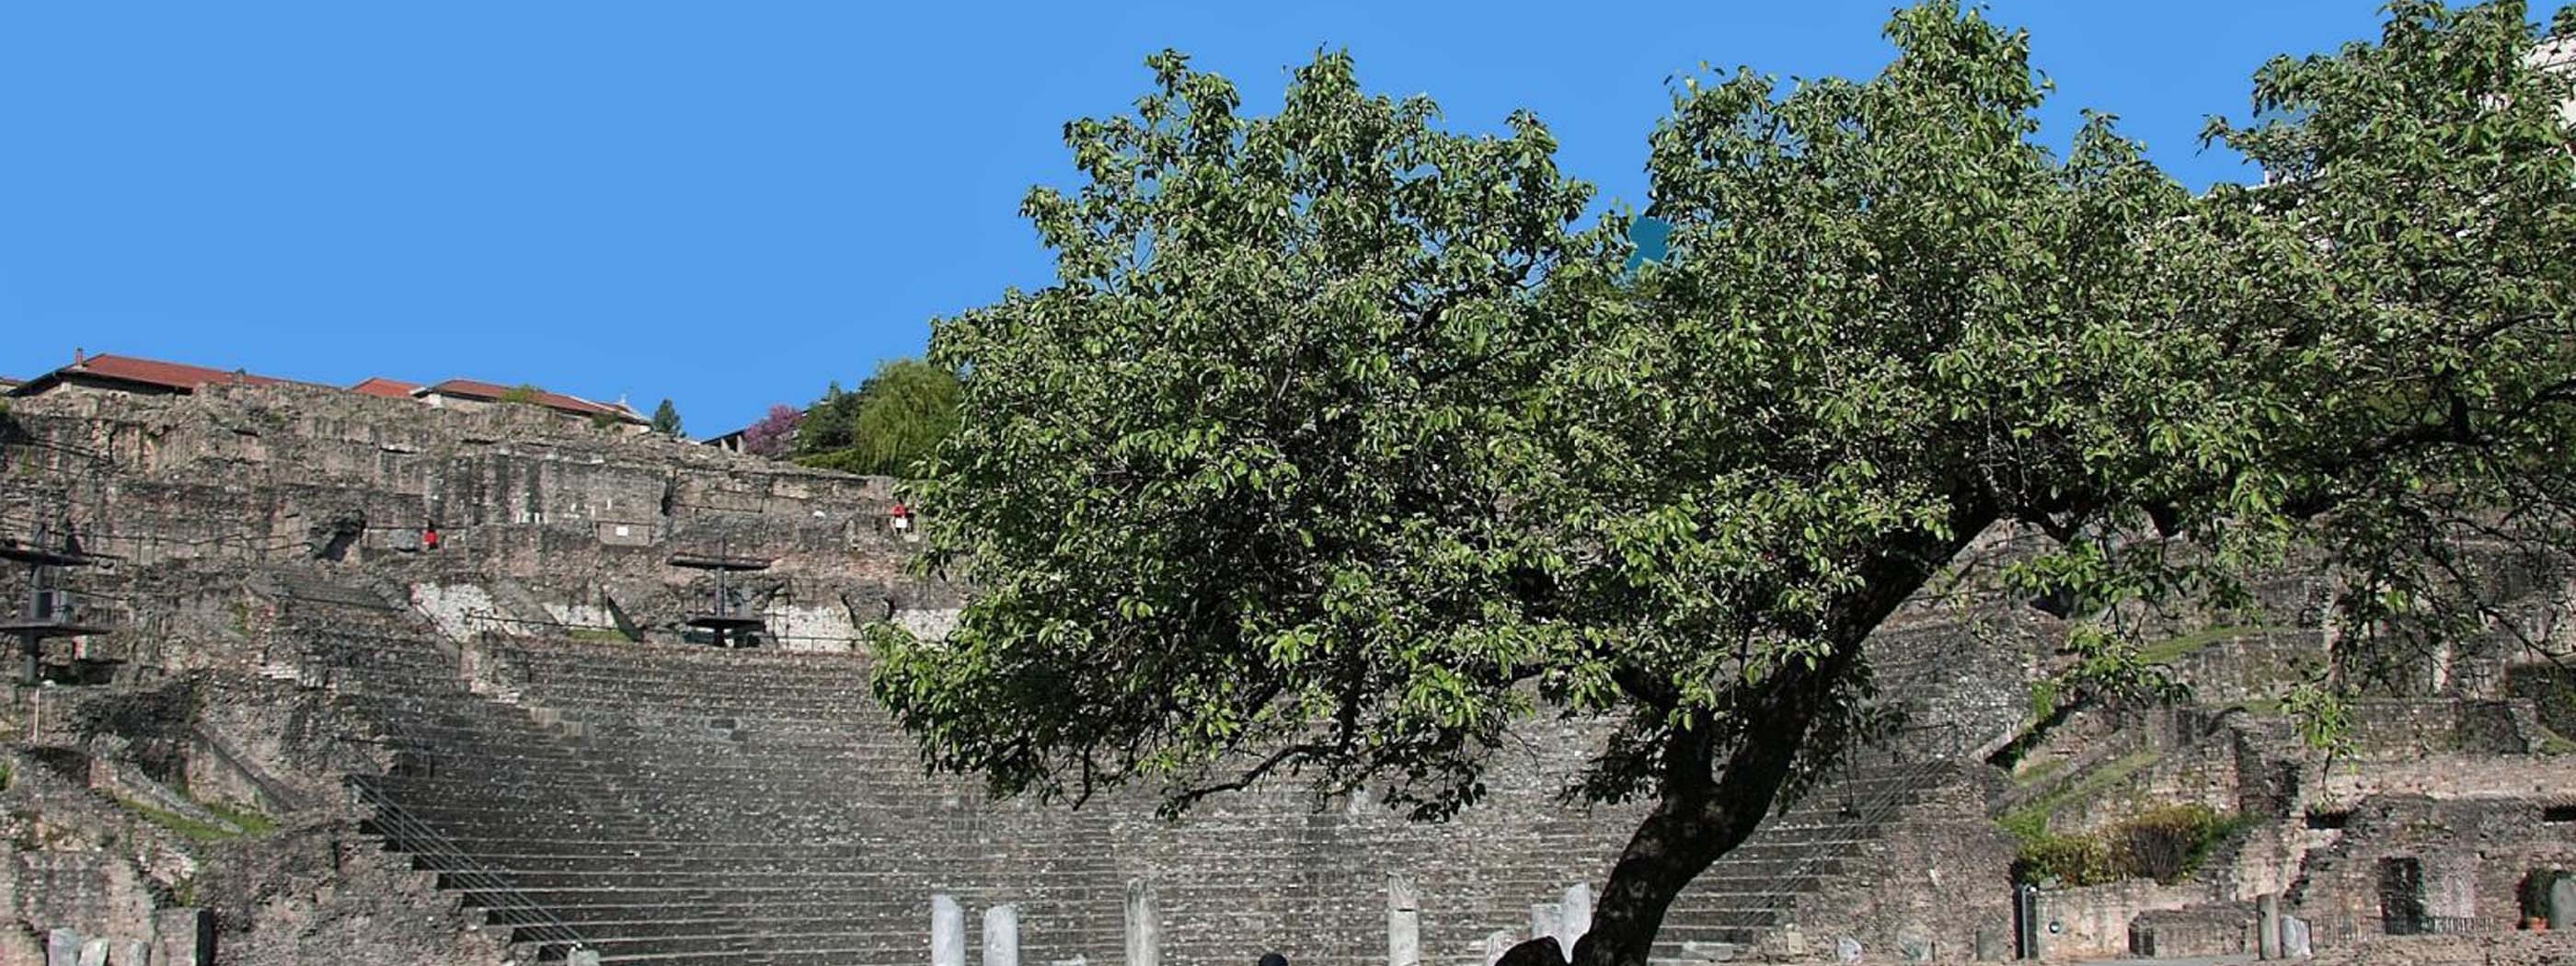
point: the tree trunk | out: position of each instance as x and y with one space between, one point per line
1706 811
1696 822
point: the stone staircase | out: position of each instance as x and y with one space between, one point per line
676 805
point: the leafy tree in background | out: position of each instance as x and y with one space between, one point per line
1333 452
666 419
774 433
896 420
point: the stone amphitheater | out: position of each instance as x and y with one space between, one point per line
308 737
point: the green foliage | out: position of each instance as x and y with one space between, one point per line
1247 468
896 420
666 419
241 822
1336 449
598 635
2164 843
524 394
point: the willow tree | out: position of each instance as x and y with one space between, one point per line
1335 451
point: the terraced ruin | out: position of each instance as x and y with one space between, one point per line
307 733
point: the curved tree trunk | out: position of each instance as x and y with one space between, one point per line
1695 823
1707 809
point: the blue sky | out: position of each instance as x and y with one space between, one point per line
731 204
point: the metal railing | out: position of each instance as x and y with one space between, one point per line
417 837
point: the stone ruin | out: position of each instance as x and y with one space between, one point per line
317 736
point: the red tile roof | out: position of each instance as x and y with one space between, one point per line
388 388
476 389
177 376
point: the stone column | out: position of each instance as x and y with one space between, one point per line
1403 923
187 936
1144 925
1002 936
2267 925
2295 938
62 947
1546 919
947 931
2562 903
1497 943
1574 917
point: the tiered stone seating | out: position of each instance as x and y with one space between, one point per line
677 805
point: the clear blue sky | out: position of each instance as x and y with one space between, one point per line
731 204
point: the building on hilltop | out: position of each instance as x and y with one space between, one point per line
472 395
128 374
387 388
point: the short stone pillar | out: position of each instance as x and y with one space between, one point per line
1988 946
1144 925
62 947
1547 919
1497 943
2267 925
582 957
137 953
947 931
2562 903
1573 916
2296 942
1002 936
94 953
187 936
1403 922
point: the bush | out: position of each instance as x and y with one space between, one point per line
2164 843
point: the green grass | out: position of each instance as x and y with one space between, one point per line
2173 649
246 823
2039 772
2032 819
253 822
2551 743
599 635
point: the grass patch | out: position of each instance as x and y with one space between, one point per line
246 823
599 635
253 822
2551 743
2039 772
2091 784
2173 649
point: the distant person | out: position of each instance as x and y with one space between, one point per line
429 537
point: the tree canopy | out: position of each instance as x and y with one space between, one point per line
891 425
1339 447
666 419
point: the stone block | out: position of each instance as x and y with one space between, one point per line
1403 923
137 953
1144 925
947 931
93 953
2267 926
2562 903
62 947
1002 936
1574 916
582 957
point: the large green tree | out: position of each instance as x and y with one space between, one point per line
1336 452
889 427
